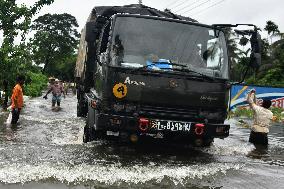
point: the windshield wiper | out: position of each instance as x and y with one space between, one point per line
152 64
187 69
174 64
184 68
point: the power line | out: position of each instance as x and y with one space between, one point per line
172 3
217 3
195 7
190 5
178 5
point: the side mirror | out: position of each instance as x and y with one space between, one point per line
91 31
255 41
255 57
93 28
255 60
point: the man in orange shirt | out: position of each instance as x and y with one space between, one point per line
17 99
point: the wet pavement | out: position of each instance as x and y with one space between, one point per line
46 151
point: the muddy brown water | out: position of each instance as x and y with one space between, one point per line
46 151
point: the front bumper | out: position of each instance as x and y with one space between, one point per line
132 125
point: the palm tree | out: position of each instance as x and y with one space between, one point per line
272 57
272 29
232 46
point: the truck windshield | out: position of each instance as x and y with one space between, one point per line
138 42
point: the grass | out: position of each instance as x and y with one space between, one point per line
247 112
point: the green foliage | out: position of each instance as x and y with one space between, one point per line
277 112
271 27
37 83
271 71
16 18
15 21
242 112
55 42
64 70
273 77
247 112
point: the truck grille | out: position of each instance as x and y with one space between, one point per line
168 112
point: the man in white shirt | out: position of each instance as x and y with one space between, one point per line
57 89
262 119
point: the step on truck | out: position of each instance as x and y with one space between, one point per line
142 74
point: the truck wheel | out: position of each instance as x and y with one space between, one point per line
90 134
86 135
81 109
81 104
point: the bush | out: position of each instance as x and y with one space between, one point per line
241 111
35 84
244 112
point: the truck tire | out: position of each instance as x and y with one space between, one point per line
86 135
90 134
81 105
81 110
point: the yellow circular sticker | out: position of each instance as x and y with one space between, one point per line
119 90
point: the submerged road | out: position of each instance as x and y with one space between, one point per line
46 151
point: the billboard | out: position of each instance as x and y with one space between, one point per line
239 93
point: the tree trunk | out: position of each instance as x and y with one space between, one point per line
46 63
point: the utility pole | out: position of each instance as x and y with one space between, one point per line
140 2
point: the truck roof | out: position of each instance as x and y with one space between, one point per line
108 11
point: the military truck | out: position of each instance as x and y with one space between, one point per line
143 73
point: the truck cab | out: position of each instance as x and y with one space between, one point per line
152 75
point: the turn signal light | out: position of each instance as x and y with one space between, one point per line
143 124
199 128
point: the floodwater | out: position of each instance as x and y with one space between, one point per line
46 151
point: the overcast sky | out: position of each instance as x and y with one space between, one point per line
205 11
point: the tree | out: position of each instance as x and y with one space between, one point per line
271 28
55 41
271 72
234 54
15 20
233 50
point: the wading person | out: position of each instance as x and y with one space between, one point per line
262 120
17 99
57 89
65 87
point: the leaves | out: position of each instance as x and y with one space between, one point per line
38 82
55 42
271 27
15 20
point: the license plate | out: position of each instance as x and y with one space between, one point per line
170 125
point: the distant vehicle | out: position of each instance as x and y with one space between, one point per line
145 73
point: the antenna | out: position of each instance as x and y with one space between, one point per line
140 2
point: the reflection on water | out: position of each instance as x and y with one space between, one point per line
46 151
